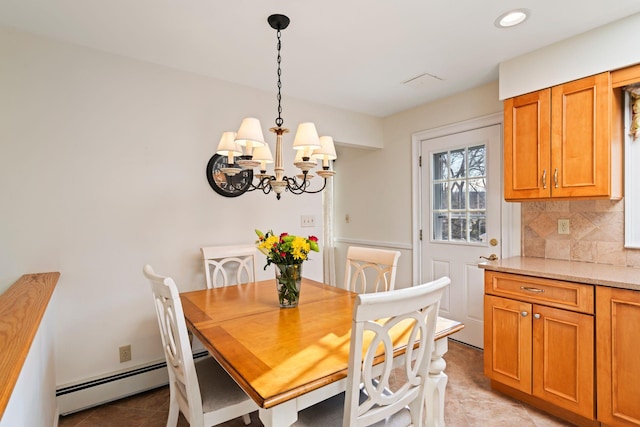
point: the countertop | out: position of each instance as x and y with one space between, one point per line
572 271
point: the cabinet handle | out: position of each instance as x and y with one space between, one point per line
555 177
536 315
544 179
524 314
530 289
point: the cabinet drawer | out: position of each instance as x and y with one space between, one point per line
554 293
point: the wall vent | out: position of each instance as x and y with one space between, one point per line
422 80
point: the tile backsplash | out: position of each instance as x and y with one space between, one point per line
596 232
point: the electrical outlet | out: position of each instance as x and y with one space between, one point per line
307 221
125 353
563 226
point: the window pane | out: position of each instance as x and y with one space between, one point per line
441 196
440 166
458 227
478 228
477 161
458 196
458 164
440 226
477 194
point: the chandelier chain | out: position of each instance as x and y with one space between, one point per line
279 120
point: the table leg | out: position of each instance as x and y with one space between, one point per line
284 414
436 384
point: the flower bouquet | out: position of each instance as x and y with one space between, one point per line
287 253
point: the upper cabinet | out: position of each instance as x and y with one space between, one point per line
558 144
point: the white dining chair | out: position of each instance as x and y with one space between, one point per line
202 390
377 265
370 398
229 265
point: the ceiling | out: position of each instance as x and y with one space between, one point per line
350 54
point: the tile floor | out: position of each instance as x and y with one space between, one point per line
469 403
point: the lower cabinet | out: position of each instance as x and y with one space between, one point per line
618 356
539 342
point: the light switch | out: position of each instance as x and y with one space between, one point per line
307 221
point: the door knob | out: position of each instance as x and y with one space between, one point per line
493 242
491 257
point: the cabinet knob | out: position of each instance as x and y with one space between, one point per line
544 179
524 314
555 177
536 315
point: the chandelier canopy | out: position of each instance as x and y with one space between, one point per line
247 149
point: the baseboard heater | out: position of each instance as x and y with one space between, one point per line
80 396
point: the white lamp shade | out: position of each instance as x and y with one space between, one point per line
306 136
250 133
227 145
263 154
327 149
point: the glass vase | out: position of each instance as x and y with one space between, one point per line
288 279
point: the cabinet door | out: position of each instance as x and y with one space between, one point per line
563 359
618 355
580 138
507 342
527 138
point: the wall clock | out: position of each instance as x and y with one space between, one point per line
228 186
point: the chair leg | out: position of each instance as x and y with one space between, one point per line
247 419
174 412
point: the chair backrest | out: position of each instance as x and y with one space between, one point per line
378 266
183 379
229 265
375 316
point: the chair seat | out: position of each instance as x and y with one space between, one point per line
217 388
329 413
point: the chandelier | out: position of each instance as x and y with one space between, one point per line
242 151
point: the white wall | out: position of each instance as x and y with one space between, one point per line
102 169
606 48
375 189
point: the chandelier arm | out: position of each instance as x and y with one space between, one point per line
295 188
260 184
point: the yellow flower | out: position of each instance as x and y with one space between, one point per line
300 248
269 242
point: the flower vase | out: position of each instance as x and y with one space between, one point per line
288 279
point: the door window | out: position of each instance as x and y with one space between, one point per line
459 195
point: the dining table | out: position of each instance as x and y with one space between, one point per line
287 359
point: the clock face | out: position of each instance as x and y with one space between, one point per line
228 186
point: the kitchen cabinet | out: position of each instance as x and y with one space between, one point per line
558 143
618 356
539 343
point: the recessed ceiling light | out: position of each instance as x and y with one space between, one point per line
512 18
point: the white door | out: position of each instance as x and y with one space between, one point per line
461 219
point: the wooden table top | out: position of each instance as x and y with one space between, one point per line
278 354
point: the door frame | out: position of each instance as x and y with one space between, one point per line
510 233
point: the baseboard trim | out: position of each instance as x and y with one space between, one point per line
86 394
